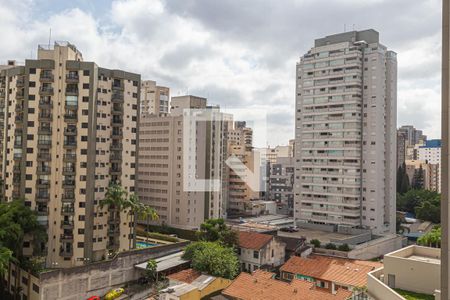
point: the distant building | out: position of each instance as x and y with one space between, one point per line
430 177
401 148
163 167
258 250
281 183
263 285
413 135
154 99
271 154
330 273
345 147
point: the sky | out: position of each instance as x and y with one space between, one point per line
238 54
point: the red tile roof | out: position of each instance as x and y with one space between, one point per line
261 286
339 270
253 240
187 276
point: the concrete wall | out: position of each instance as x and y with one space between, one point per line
376 247
98 278
378 290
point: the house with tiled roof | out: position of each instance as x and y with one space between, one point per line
330 273
262 285
258 250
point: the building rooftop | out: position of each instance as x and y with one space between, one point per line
188 275
253 240
261 285
418 253
339 270
166 262
369 36
432 144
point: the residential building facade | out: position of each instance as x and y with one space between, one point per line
281 183
154 99
166 158
258 250
345 147
429 178
70 131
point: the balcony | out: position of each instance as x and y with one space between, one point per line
67 210
116 147
66 237
68 198
70 144
44 157
117 97
72 78
19 118
43 170
70 117
44 130
70 157
117 133
20 94
117 121
17 144
45 103
72 91
117 109
117 86
115 170
17 156
69 171
42 197
41 211
112 221
67 224
19 107
46 91
20 81
115 157
44 143
66 252
70 131
43 183
45 117
46 76
114 231
16 195
69 183
17 169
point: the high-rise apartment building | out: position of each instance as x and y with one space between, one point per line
430 152
281 183
166 159
401 148
70 131
154 98
413 136
346 133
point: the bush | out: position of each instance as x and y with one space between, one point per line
344 247
162 237
330 246
315 242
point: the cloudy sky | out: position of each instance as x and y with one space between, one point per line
238 54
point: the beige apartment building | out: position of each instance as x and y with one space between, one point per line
345 133
70 131
167 155
431 174
154 98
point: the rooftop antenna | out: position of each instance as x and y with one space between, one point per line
49 37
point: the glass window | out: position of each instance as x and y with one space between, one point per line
71 100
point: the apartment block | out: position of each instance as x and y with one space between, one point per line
345 143
270 155
169 156
413 136
70 131
430 178
401 148
281 183
154 98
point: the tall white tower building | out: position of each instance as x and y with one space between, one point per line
345 152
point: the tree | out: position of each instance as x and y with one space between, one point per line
431 239
414 198
148 214
403 184
418 179
213 230
151 272
429 211
330 246
315 242
213 258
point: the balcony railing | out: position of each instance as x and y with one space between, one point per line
43 103
66 237
70 117
69 183
45 130
70 144
70 157
72 78
71 91
44 142
117 97
68 170
46 91
20 94
70 131
45 117
42 197
44 156
68 209
43 182
43 170
46 77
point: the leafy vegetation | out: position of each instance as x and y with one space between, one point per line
431 239
423 203
215 230
315 242
150 270
213 258
330 246
162 237
414 296
402 180
344 247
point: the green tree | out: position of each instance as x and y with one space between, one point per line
414 198
148 214
315 242
431 239
429 211
213 258
403 184
213 230
151 272
418 179
344 247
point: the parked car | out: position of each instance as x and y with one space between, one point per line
114 294
94 298
290 229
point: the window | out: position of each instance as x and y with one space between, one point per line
85 72
80 245
255 254
35 288
86 86
71 100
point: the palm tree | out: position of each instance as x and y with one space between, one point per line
116 200
132 202
148 213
